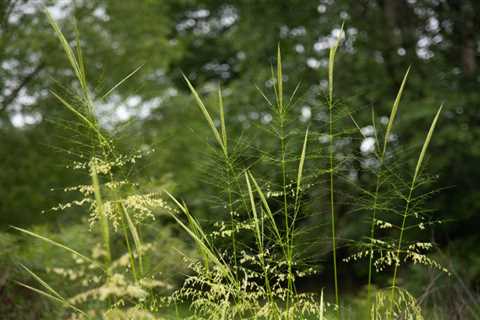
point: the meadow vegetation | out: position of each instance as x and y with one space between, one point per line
146 255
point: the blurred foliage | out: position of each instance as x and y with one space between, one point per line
72 277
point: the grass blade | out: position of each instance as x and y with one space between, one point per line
300 166
122 81
200 238
255 215
267 209
135 236
57 244
66 47
299 182
264 96
206 114
46 294
279 79
426 143
222 118
43 283
331 61
84 119
394 110
54 295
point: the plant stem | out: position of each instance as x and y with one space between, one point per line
331 62
399 246
393 114
408 201
332 208
232 222
129 248
101 213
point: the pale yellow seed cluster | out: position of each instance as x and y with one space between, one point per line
67 273
212 295
84 189
71 204
134 313
124 260
420 246
404 306
357 256
418 258
140 207
383 224
116 286
223 231
389 258
142 204
100 166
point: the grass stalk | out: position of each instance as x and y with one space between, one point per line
221 138
407 205
129 249
296 208
231 174
207 116
51 294
105 229
198 235
331 63
391 120
136 237
281 112
59 245
299 183
259 235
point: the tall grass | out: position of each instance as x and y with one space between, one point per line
264 212
381 160
106 198
408 200
331 151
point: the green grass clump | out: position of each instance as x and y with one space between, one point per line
274 200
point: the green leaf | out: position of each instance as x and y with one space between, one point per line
426 143
206 114
393 112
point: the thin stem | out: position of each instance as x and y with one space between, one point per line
399 246
332 208
372 235
408 200
281 111
285 203
129 248
101 213
232 219
136 237
331 62
259 238
391 120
